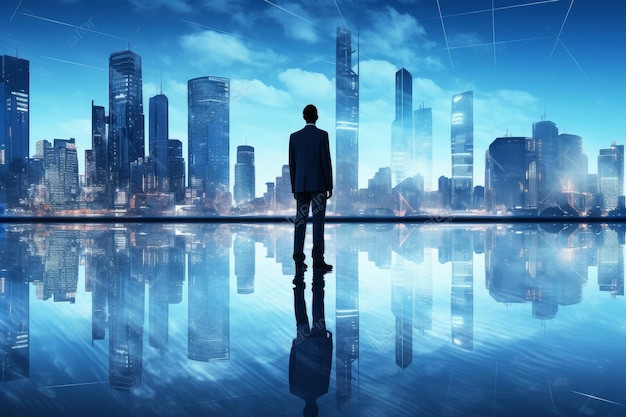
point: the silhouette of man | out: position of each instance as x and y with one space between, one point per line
312 350
312 184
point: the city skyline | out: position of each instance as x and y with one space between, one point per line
519 69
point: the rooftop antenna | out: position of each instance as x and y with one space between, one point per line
161 85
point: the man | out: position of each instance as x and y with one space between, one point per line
312 184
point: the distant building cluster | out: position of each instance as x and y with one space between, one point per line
546 173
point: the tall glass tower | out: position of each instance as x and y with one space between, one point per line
547 133
611 175
423 144
208 129
126 117
99 150
462 147
14 128
402 129
158 137
244 191
347 125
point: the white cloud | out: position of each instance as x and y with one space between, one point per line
214 48
295 23
258 92
313 86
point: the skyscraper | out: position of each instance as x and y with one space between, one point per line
510 178
158 137
244 191
14 128
347 125
126 118
176 166
99 177
611 175
402 129
61 174
462 147
423 144
547 134
209 135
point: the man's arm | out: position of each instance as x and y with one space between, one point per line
327 166
292 164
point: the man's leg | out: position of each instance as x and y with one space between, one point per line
303 200
318 203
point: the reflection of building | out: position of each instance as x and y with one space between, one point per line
61 266
402 162
347 125
402 309
347 314
14 128
14 312
126 120
209 135
546 269
244 175
209 317
462 146
611 264
126 299
462 289
611 175
244 253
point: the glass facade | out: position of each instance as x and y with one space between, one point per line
209 136
347 125
402 162
126 140
158 135
462 151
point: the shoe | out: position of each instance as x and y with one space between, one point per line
322 265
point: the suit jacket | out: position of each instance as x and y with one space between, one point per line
309 160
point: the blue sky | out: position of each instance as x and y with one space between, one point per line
520 57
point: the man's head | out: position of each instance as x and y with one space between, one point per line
310 113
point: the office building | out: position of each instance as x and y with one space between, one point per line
347 126
611 175
244 189
126 121
510 174
209 135
462 149
423 145
176 166
158 140
61 175
97 169
14 129
547 133
402 129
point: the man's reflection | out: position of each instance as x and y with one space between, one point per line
312 349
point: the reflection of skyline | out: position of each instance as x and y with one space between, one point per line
547 270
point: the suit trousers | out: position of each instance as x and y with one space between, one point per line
316 201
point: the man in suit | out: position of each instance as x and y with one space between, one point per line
312 184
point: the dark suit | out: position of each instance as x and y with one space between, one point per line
311 175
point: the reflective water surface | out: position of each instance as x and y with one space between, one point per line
425 319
